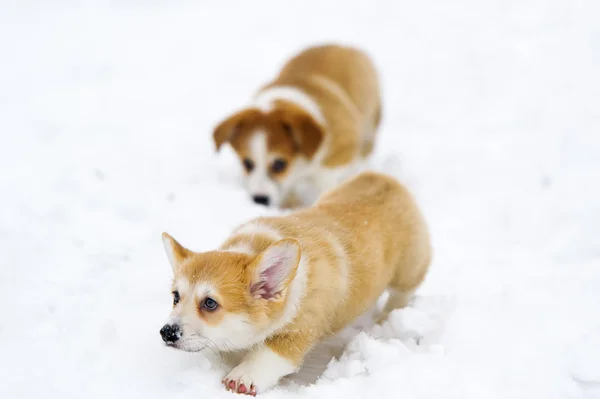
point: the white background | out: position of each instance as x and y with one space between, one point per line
491 116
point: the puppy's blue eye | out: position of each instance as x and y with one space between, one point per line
176 298
210 304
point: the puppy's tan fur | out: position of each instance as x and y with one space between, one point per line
332 128
339 256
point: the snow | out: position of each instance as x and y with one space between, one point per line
491 117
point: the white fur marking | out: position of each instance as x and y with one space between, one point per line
259 182
242 248
265 99
262 368
203 289
182 286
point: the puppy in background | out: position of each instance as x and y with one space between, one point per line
306 130
279 285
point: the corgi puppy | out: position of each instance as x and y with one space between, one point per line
304 131
280 284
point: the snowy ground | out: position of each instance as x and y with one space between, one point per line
492 116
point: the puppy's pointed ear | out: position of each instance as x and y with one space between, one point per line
226 131
176 253
274 269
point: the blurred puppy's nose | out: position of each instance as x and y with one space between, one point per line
170 333
261 199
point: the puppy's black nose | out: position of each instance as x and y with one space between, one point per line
170 333
261 199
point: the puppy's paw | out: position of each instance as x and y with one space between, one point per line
382 318
239 384
244 378
259 371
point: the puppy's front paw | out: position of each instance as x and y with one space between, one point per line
239 380
260 370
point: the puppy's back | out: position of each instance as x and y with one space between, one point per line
351 69
365 189
375 205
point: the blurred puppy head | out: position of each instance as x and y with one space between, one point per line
226 300
274 147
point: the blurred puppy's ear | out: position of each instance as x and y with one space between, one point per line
228 129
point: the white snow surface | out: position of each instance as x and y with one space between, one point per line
491 117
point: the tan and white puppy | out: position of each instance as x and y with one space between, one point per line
309 127
278 285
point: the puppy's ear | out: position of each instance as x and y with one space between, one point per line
304 130
274 269
230 127
176 253
310 136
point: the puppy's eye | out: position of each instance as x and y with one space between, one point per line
248 164
176 297
279 165
210 304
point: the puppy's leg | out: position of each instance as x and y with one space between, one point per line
367 148
263 367
405 283
398 299
368 143
377 117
